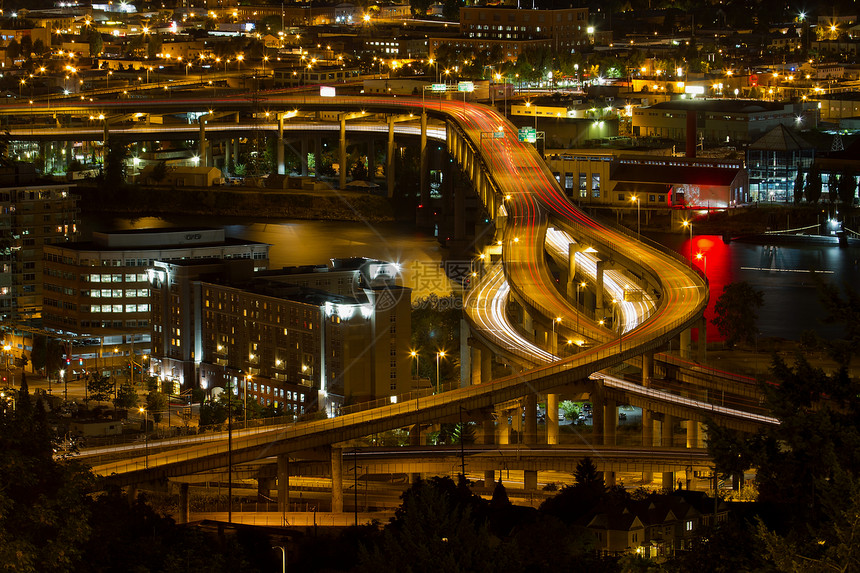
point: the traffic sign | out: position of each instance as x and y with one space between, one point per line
498 135
465 86
527 135
438 87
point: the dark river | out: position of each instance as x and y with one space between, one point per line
782 272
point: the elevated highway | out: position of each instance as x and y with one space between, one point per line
524 198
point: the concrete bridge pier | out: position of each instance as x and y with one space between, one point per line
552 419
530 408
264 489
528 325
597 413
647 368
647 440
530 480
336 480
685 343
610 422
608 478
488 431
489 478
517 423
667 431
415 435
503 429
283 483
571 271
476 354
692 433
184 503
668 480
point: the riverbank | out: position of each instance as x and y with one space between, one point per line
238 202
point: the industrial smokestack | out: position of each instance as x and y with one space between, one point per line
691 134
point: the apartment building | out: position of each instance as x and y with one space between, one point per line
31 217
331 334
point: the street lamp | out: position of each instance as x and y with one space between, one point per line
143 411
638 218
65 385
414 354
440 354
247 380
579 286
701 257
688 223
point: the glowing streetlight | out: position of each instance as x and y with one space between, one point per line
638 202
439 355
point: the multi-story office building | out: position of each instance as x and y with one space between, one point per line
100 288
511 30
328 334
31 216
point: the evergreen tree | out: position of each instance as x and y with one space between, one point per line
735 313
847 188
798 186
813 186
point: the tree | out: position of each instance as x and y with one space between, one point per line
99 387
156 404
847 188
44 517
798 186
159 172
813 186
13 49
833 187
115 165
126 396
95 41
843 309
586 474
735 313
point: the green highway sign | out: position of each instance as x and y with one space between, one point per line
438 87
527 134
465 87
498 135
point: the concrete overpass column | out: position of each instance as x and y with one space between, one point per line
283 483
70 153
425 162
486 365
702 346
598 288
517 424
647 428
608 478
692 433
184 503
264 489
552 419
647 368
610 422
279 146
475 360
488 431
303 159
336 480
503 429
685 343
530 480
668 480
489 478
530 409
571 272
415 435
667 431
597 411
342 152
236 143
528 325
389 158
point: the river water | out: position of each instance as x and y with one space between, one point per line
782 272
